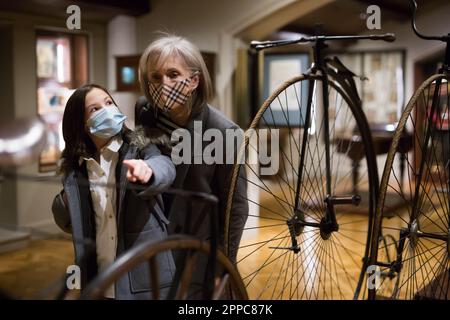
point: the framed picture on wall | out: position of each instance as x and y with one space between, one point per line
278 68
127 78
62 65
383 97
51 105
382 91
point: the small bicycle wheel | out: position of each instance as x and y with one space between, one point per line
226 280
289 250
413 206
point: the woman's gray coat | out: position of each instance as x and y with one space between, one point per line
208 178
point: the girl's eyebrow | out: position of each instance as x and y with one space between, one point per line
94 104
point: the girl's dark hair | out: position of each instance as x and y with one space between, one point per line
78 142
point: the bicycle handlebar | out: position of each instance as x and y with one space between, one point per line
260 45
202 196
420 35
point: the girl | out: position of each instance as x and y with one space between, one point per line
100 150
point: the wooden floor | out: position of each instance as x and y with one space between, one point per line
32 272
322 269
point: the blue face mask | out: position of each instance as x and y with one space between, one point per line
106 123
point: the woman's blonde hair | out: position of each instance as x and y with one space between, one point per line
167 46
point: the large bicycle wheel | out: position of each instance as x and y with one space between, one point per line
414 201
226 280
289 249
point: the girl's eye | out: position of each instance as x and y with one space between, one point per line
109 102
93 109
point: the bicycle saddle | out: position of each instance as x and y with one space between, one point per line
21 141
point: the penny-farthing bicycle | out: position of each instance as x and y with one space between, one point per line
411 243
306 237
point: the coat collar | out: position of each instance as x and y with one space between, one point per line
113 146
201 116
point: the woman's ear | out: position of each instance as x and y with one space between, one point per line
195 82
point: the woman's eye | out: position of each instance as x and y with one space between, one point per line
109 102
155 77
173 75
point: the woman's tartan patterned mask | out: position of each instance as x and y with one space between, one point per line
165 96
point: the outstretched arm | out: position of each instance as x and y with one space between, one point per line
154 170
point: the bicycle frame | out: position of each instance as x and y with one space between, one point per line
345 80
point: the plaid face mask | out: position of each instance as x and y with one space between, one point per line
165 96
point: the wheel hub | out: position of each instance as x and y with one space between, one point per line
413 233
327 228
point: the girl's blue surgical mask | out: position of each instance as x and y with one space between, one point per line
106 122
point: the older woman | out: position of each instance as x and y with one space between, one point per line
177 88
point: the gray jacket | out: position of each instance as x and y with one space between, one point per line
209 178
140 216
